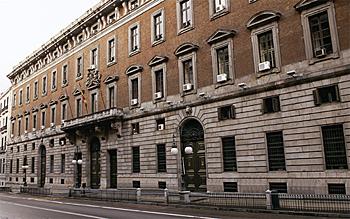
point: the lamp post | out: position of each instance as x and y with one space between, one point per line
25 167
77 161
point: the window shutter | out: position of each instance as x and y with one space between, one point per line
263 107
276 104
316 97
337 94
233 112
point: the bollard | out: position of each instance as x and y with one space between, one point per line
166 196
138 195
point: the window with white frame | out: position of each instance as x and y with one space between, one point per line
218 7
65 75
111 96
134 90
186 54
79 67
36 90
134 38
158 25
94 58
159 81
320 30
34 121
266 51
184 15
44 85
27 93
26 127
111 48
43 119
54 80
53 115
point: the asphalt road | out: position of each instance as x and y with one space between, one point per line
19 207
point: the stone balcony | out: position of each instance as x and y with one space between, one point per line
105 116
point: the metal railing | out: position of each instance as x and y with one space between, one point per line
5 189
36 191
315 203
105 194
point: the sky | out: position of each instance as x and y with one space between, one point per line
28 24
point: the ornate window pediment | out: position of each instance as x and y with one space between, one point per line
133 69
52 102
306 4
111 78
221 35
263 18
63 97
43 106
157 60
34 109
77 92
185 48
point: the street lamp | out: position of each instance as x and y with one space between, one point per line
77 161
25 167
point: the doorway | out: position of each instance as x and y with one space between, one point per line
95 168
42 164
113 168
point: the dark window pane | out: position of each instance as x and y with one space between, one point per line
275 151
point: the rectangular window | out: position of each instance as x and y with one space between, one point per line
44 85
223 61
135 128
53 80
278 187
226 112
275 149
230 187
186 13
326 94
20 97
53 115
188 71
63 163
336 188
135 88
220 5
271 104
161 158
158 26
136 184
14 100
320 35
136 159
79 67
52 163
111 50
93 102
78 106
64 75
266 48
43 119
160 124
17 165
161 185
33 165
111 97
27 94
134 38
26 123
64 111
11 166
19 127
34 121
94 57
334 147
35 90
159 83
229 154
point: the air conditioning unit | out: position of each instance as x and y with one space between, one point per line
158 95
221 77
320 52
160 127
133 102
187 87
263 66
92 66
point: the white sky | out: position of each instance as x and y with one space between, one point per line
27 24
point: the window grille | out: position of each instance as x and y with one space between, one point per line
52 162
279 187
336 188
136 160
334 147
161 185
136 184
320 33
266 48
161 155
275 149
229 154
230 187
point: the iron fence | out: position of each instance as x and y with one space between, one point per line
36 191
5 189
105 194
315 203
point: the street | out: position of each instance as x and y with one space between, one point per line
17 207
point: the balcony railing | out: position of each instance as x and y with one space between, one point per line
93 119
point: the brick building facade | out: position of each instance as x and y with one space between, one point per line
188 94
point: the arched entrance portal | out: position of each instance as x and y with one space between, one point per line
195 177
42 166
95 169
